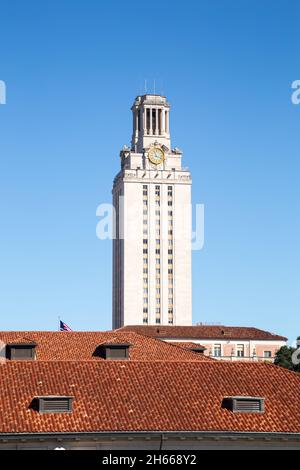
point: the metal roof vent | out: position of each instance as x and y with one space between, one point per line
20 351
113 351
54 404
244 404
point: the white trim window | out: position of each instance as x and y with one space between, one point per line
217 350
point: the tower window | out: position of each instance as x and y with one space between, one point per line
148 120
153 121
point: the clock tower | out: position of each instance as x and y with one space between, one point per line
152 227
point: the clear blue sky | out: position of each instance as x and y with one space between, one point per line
72 70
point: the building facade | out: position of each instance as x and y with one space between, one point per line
152 224
228 343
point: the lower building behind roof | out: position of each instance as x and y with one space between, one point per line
229 343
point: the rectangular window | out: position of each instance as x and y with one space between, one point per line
157 213
170 213
240 350
170 252
170 203
217 350
267 354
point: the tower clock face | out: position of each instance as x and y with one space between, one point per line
156 155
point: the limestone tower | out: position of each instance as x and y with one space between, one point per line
152 229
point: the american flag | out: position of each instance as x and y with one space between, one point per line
63 326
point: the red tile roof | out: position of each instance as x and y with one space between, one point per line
204 332
147 396
81 345
187 345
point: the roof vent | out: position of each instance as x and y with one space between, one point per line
113 351
54 404
244 404
20 351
